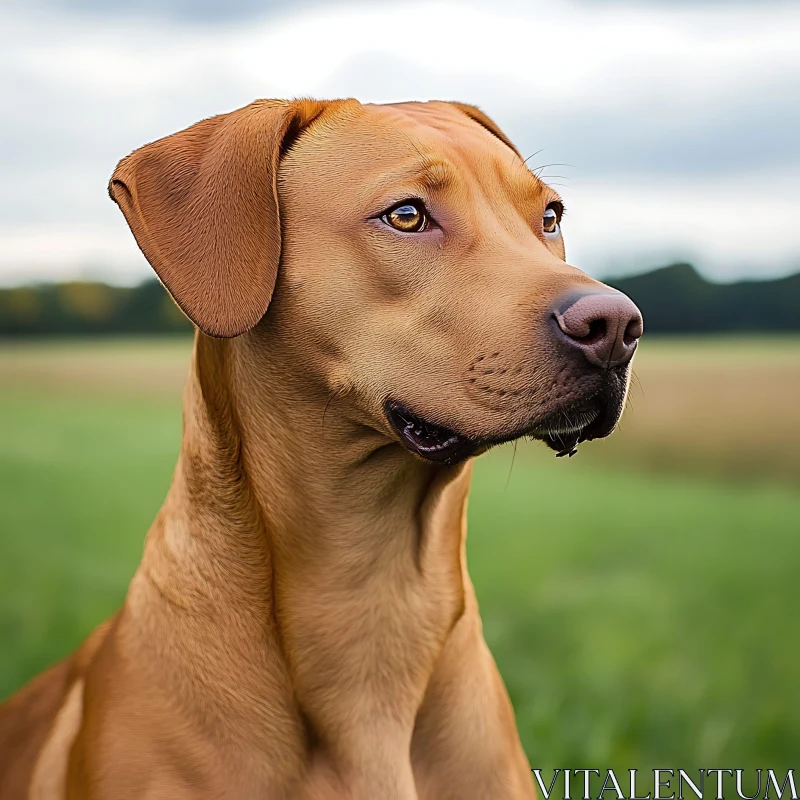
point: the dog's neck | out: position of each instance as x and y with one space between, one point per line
270 450
280 512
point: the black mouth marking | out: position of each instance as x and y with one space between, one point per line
565 442
562 430
595 418
432 442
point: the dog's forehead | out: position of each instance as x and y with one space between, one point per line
370 137
426 117
437 128
356 147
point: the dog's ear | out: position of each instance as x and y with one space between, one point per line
203 206
478 116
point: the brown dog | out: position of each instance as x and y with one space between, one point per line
302 624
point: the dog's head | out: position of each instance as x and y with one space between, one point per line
419 267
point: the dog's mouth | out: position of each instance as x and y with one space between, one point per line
432 442
562 430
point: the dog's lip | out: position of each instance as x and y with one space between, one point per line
592 417
431 442
579 427
565 433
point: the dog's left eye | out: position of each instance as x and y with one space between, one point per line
408 217
550 219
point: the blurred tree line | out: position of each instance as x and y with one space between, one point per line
83 308
674 299
677 299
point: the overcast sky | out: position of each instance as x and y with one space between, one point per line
675 126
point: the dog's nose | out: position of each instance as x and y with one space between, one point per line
605 327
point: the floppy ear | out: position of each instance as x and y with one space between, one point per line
478 116
203 206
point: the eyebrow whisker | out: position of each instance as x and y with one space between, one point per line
525 161
554 164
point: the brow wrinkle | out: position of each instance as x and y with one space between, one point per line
434 174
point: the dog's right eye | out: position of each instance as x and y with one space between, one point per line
408 217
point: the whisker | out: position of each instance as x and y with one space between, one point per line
635 380
525 161
333 397
554 164
511 469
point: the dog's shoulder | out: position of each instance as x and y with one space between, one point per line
25 722
27 719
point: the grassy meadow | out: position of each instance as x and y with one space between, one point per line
641 599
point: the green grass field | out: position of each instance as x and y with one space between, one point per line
641 599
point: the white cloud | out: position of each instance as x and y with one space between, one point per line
47 252
685 115
736 227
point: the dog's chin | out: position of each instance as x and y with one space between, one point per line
562 429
